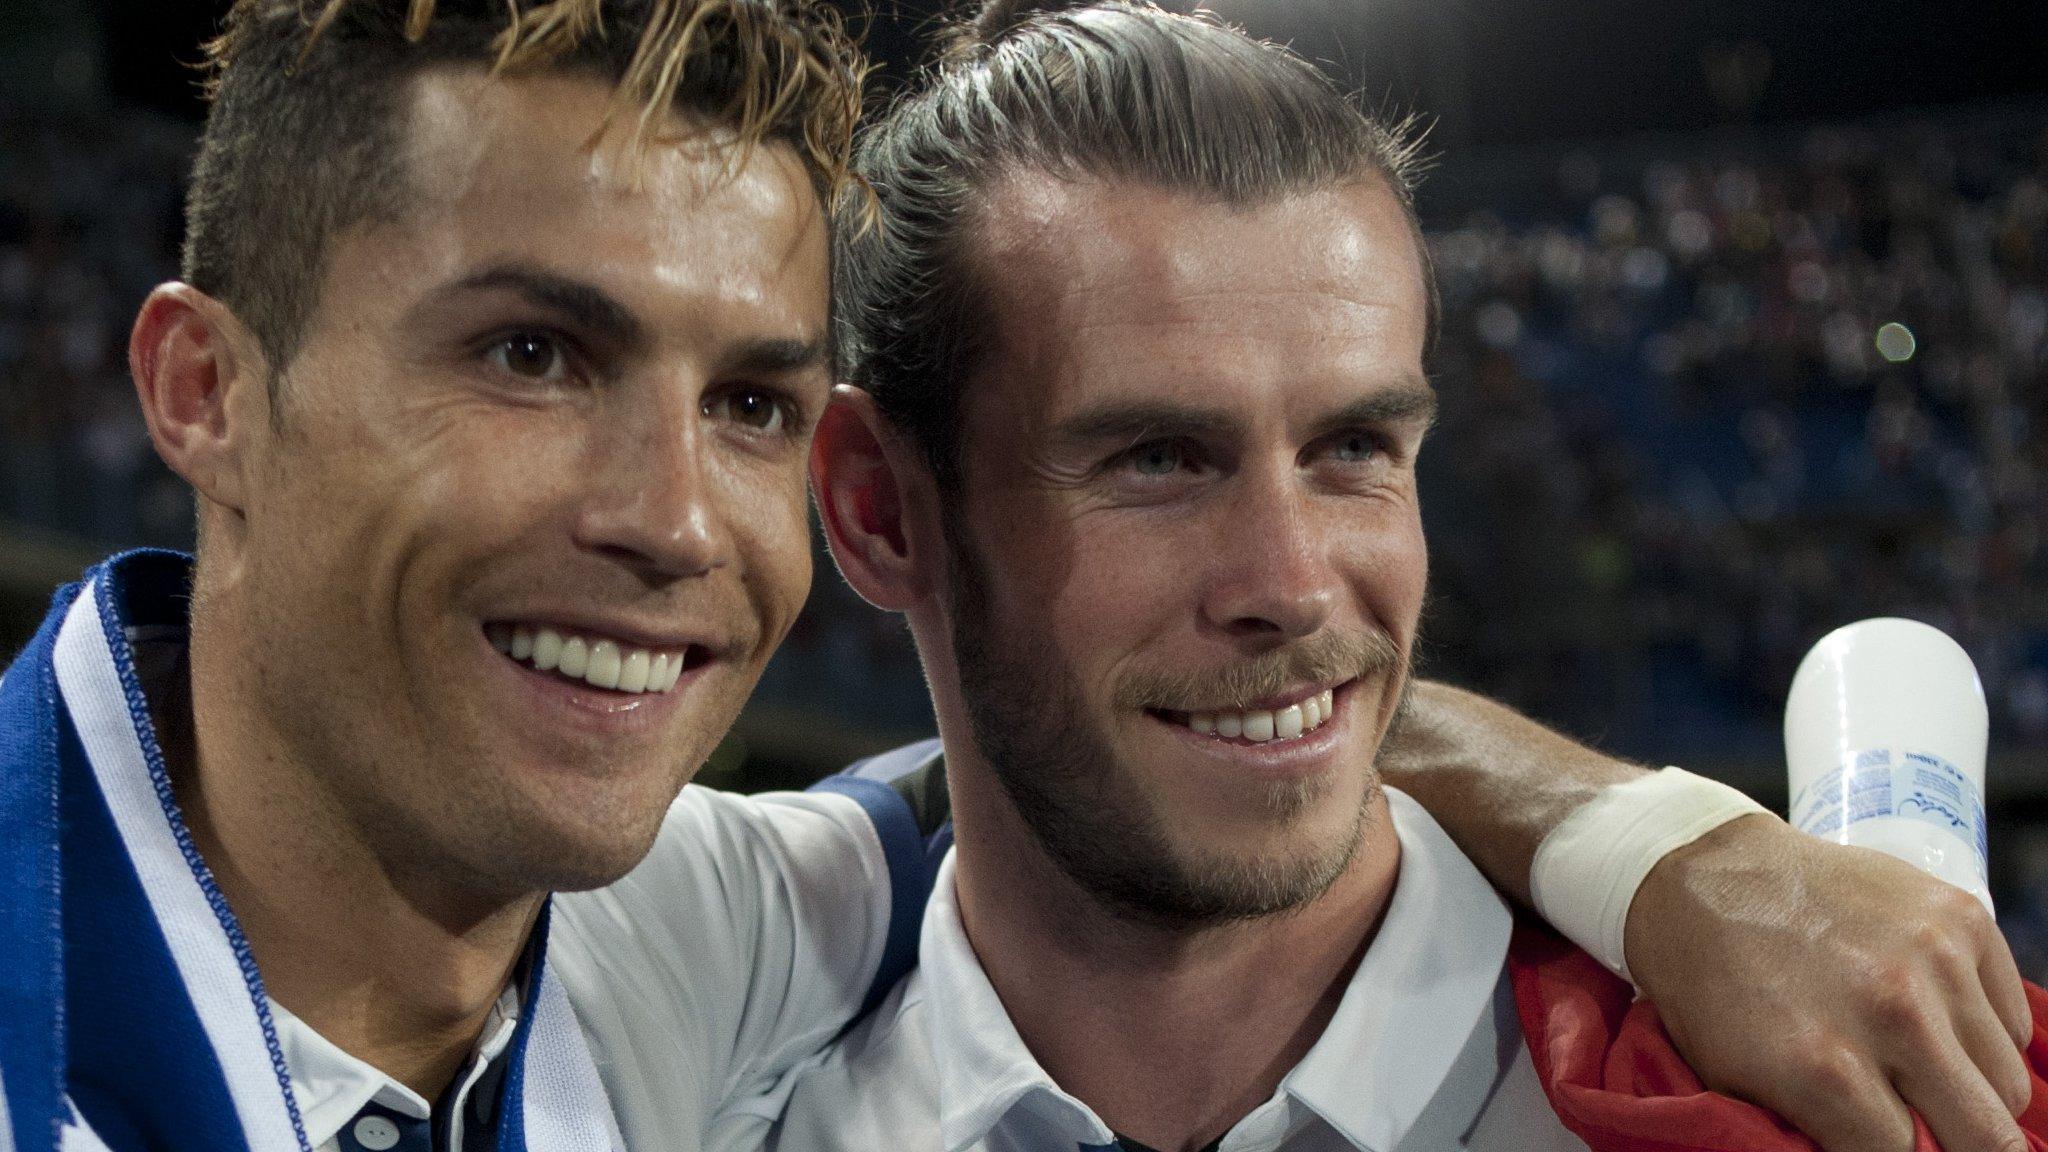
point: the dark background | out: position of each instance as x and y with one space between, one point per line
1508 73
1670 459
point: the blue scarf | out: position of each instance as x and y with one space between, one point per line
132 1016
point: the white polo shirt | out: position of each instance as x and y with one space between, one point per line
741 945
1425 1051
331 1086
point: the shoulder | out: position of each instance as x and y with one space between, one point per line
876 1087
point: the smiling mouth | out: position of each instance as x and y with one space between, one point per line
595 661
1260 725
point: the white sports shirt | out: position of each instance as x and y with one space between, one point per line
741 945
1425 1051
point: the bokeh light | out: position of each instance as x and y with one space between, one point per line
1895 342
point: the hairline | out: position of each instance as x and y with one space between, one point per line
980 283
404 203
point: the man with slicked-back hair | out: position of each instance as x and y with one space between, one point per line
1133 389
500 339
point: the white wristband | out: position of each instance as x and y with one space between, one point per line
1588 868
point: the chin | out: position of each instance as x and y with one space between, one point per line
547 854
572 834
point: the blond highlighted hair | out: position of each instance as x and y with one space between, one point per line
303 135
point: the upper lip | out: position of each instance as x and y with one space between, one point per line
627 632
1271 703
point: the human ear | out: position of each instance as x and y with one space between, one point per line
877 501
193 363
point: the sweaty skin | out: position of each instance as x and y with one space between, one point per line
1147 490
562 390
1189 457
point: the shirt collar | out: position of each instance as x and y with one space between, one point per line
1421 986
332 1086
1429 974
985 1072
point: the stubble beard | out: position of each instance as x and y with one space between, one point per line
1029 721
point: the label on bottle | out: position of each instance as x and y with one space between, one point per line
1882 783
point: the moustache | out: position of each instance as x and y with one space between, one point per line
1326 658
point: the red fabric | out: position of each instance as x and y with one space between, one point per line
1617 1082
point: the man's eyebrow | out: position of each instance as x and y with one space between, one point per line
1412 401
583 304
774 356
1138 421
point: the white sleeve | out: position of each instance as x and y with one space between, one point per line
747 939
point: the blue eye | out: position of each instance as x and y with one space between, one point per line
1162 458
1354 447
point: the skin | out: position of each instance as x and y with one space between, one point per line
1830 984
412 486
1266 501
565 389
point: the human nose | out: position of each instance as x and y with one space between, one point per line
1274 575
652 505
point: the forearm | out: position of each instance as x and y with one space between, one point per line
1496 780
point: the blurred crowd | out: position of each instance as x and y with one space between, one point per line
90 220
1699 408
1702 409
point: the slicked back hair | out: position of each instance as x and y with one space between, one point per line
306 133
1115 90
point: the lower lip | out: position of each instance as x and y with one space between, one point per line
1304 757
559 702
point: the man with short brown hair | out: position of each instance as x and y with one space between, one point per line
502 338
1133 394
493 326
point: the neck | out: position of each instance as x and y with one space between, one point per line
1116 1012
391 962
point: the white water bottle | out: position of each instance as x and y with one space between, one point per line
1885 731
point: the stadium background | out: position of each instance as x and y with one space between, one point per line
1745 337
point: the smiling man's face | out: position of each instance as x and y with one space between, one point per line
1187 552
557 415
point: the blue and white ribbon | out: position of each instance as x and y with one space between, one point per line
132 1015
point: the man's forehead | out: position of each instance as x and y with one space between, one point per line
508 171
468 136
1056 239
1124 293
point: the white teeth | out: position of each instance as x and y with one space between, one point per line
575 659
597 662
604 665
547 650
633 672
1260 726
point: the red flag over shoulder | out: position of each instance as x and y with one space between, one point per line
1617 1082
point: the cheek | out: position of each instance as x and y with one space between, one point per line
771 529
1103 587
1399 577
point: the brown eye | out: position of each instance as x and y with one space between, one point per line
750 408
530 356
